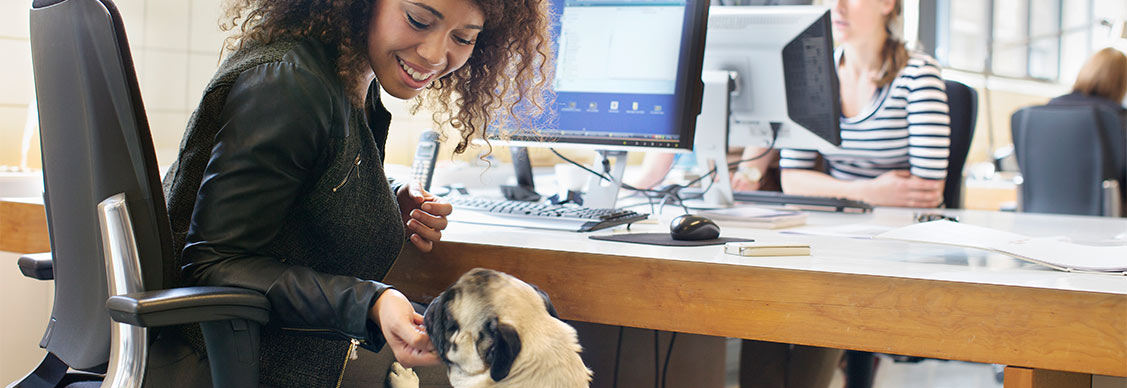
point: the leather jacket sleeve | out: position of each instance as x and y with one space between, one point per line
395 185
273 128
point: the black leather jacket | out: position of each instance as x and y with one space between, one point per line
279 187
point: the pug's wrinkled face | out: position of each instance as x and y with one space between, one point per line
475 325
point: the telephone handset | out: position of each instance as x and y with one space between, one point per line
422 169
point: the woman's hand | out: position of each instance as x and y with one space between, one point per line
423 215
402 328
901 188
746 179
756 161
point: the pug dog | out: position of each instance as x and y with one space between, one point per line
492 330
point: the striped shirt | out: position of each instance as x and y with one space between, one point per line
905 127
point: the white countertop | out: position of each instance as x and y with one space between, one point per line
858 256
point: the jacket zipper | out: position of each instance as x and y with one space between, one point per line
355 167
350 356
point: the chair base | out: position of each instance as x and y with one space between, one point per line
51 373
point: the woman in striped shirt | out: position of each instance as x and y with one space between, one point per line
893 153
895 127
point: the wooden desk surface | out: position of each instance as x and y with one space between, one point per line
883 296
892 297
23 226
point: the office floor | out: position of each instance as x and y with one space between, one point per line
925 374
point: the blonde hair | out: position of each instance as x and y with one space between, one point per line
894 53
1104 75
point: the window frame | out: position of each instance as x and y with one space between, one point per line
941 20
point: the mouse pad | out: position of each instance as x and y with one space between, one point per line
664 239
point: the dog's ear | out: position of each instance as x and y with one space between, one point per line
437 322
547 302
506 347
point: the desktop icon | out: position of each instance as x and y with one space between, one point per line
657 108
614 105
635 106
593 106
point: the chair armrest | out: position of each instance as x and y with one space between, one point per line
178 306
37 266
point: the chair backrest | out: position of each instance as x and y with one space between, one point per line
1065 153
963 104
95 143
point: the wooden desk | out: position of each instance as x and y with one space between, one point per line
882 296
23 226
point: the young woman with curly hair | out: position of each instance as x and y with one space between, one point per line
279 185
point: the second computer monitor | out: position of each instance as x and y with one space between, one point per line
786 89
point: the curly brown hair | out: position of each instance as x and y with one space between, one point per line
504 82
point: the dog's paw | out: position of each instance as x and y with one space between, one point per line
400 377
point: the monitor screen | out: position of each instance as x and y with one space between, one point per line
627 75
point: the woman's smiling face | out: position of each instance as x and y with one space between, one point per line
411 43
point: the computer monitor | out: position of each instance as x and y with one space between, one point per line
769 82
785 83
627 76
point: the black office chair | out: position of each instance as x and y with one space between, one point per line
1072 159
962 102
111 242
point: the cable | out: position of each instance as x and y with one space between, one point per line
673 191
610 178
579 165
657 362
668 355
606 164
699 178
650 194
770 147
617 354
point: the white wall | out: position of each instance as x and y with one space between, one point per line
175 46
176 49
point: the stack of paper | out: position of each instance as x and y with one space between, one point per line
1052 252
755 217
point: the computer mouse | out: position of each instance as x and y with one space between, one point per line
692 227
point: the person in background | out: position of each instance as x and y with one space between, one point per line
895 123
280 187
894 149
756 171
1102 82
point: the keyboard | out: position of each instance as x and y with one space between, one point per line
803 202
481 210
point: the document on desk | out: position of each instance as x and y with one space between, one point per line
1054 252
860 231
755 217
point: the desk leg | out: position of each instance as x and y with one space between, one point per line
1018 377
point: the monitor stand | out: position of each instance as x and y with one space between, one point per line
602 194
710 144
525 189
